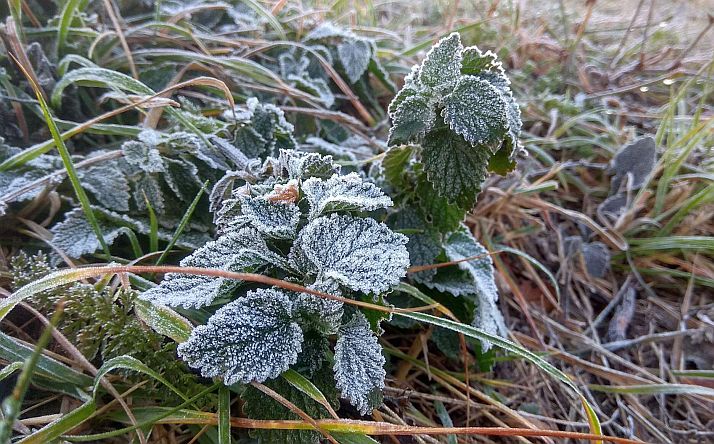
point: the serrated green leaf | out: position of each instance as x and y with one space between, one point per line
354 55
413 118
395 164
250 339
359 365
476 110
442 64
453 167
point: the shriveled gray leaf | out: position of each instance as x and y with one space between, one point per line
361 254
636 160
359 365
343 193
251 339
596 256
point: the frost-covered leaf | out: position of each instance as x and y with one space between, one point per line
262 130
328 30
148 189
251 339
361 254
321 314
75 237
354 55
452 280
395 164
301 165
182 177
596 256
442 65
476 110
343 193
424 244
403 94
243 250
636 160
274 219
461 245
317 87
143 156
108 185
453 166
412 119
359 365
475 62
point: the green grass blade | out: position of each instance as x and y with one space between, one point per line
163 320
65 22
130 363
224 415
69 166
304 385
182 224
12 404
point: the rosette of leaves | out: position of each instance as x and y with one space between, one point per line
302 222
457 106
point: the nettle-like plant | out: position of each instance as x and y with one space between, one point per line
294 217
302 222
454 120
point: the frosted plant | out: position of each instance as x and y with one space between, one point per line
454 120
458 105
299 223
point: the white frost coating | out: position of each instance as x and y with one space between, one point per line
278 220
143 156
476 110
361 254
461 245
359 364
298 164
354 55
240 251
322 314
343 193
413 117
455 168
442 65
250 339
